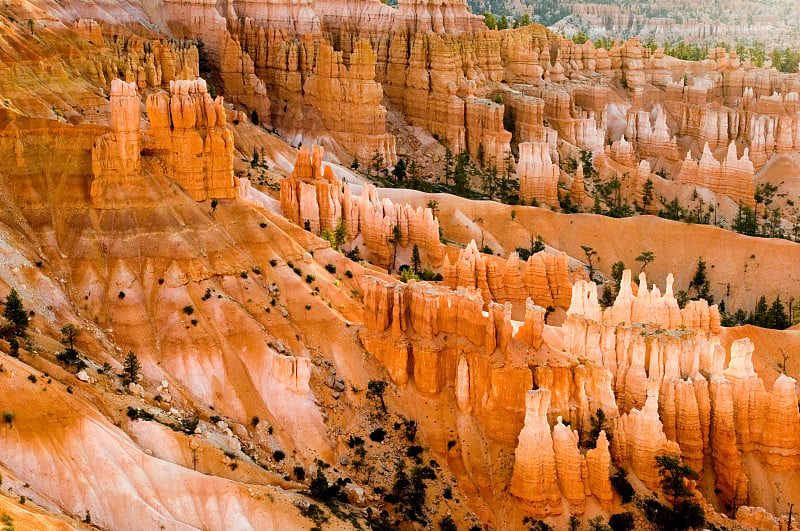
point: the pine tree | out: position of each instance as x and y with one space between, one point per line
776 315
340 234
399 170
416 263
15 314
131 367
461 172
448 165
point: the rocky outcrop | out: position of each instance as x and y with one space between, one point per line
733 177
313 195
534 479
116 156
152 64
639 438
349 100
485 133
293 372
544 277
654 141
598 460
188 133
537 174
187 142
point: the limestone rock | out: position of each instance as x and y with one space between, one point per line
538 175
534 479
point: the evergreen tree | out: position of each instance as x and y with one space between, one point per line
645 258
461 172
700 283
776 315
490 20
673 477
448 165
375 391
131 367
340 234
399 170
416 263
413 170
377 162
745 221
647 199
616 272
490 180
502 23
15 314
759 315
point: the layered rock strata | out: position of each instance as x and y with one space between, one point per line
313 195
544 277
538 174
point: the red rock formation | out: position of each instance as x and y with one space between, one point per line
734 177
639 438
484 123
293 372
349 100
430 324
650 141
316 196
570 466
537 174
598 460
544 277
188 133
577 190
534 479
116 156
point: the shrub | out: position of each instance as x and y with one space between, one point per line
273 262
8 417
330 268
310 279
278 455
348 274
299 473
378 435
355 441
243 274
622 522
323 491
414 451
447 524
32 378
656 513
315 514
621 484
189 425
121 295
188 310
